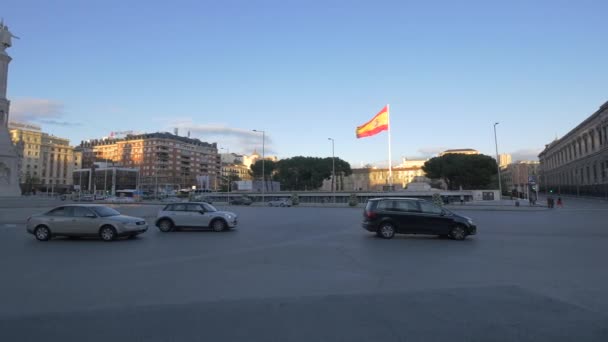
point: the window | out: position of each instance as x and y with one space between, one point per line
429 208
61 211
178 207
81 212
194 207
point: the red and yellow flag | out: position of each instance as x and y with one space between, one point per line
374 126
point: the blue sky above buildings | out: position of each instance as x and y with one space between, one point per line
304 71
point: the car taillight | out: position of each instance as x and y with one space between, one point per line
369 214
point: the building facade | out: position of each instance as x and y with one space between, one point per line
504 160
577 163
166 161
105 180
375 179
519 178
45 161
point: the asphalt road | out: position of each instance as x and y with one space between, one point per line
312 274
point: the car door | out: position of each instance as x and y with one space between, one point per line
179 215
84 222
59 220
433 220
198 216
409 220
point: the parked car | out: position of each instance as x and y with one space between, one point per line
280 203
194 215
389 216
83 220
120 199
241 201
172 199
86 198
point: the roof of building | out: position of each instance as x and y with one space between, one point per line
572 131
157 135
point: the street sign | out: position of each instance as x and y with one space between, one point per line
532 179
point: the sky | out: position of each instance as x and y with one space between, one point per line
304 71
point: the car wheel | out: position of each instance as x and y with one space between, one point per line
387 230
165 226
458 233
107 233
42 233
218 225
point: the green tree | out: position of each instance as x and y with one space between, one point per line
461 170
256 169
308 173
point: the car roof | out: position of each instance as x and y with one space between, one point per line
82 205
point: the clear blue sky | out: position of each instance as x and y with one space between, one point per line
308 70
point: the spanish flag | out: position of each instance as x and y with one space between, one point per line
374 126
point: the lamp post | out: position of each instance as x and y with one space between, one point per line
223 173
263 158
497 162
333 169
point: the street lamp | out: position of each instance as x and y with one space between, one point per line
333 169
224 174
263 158
497 162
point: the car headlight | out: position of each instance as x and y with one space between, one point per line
470 221
229 217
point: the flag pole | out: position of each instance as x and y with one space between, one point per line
390 162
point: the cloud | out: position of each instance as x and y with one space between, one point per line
37 110
237 140
526 154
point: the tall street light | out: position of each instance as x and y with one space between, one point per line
263 158
223 173
333 169
497 161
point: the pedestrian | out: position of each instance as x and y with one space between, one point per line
559 202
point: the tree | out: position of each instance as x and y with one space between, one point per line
462 170
308 173
256 169
227 182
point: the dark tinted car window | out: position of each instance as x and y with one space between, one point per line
407 206
430 208
80 212
194 207
384 205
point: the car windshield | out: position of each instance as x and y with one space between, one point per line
105 211
208 207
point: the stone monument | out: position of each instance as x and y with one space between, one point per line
9 178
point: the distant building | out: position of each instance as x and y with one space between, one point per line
516 177
504 160
412 162
166 161
459 151
375 179
105 179
578 162
45 161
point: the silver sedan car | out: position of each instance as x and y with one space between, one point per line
194 215
84 220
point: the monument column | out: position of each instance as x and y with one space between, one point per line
9 177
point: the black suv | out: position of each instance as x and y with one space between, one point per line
388 216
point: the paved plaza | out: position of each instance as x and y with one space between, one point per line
312 274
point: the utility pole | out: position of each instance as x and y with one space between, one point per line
263 159
497 162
